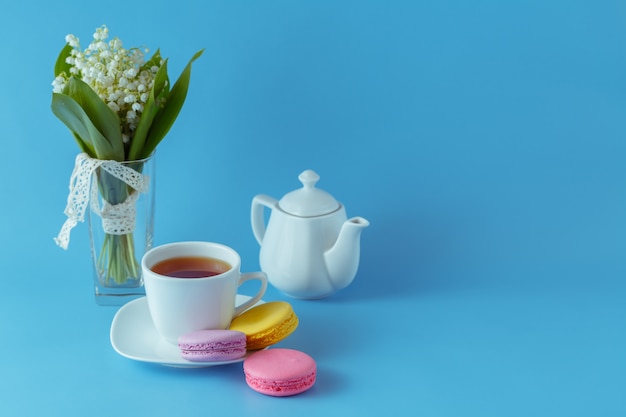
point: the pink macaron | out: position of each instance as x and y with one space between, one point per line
280 372
212 345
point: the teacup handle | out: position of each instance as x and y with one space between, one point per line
247 277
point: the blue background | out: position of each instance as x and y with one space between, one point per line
483 140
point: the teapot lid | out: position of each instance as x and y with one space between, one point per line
308 201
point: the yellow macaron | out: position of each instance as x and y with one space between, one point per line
266 324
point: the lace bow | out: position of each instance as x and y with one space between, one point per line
117 219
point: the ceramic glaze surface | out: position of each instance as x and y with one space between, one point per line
182 305
307 256
292 254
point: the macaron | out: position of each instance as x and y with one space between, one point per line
266 324
212 345
280 372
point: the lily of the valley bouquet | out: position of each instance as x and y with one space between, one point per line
118 106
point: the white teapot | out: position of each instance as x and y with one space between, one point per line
309 248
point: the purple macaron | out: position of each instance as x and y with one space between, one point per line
212 345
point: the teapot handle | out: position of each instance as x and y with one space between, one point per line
257 216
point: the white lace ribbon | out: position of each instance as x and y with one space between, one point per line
117 219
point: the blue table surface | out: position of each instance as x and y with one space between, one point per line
484 141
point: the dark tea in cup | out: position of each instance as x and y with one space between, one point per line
191 267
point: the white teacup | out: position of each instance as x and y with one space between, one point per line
181 305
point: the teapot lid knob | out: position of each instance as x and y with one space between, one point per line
308 178
308 201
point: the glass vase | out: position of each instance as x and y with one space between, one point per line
121 229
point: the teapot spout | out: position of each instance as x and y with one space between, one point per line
342 260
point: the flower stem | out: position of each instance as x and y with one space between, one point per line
117 261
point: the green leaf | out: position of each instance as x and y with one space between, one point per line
85 147
161 80
61 66
155 60
150 110
89 139
168 113
106 122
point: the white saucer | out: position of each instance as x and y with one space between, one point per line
134 336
